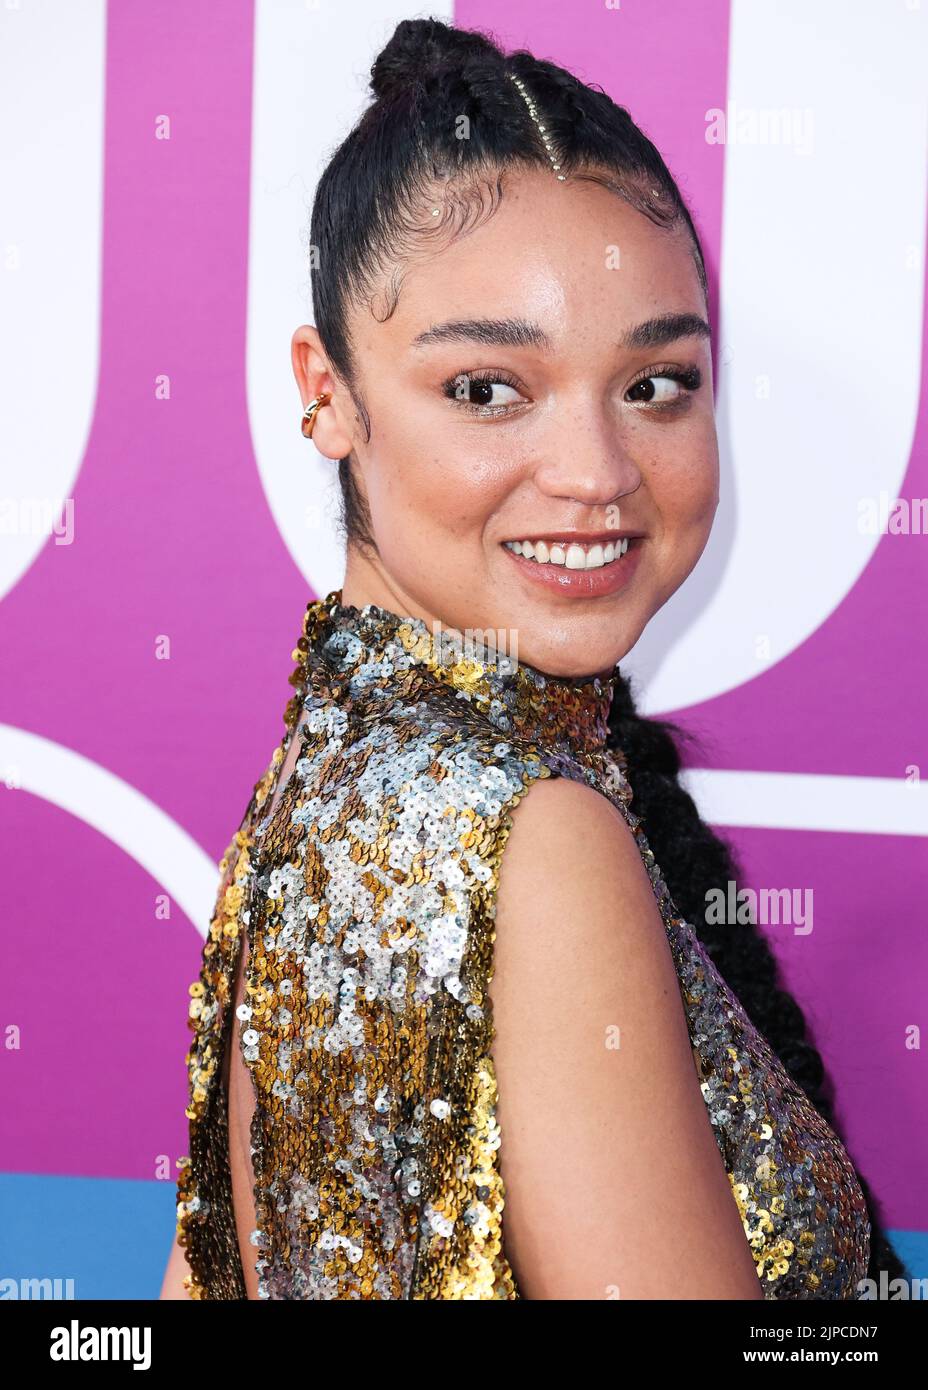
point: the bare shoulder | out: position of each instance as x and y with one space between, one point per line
614 1181
569 844
575 908
568 825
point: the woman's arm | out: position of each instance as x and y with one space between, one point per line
614 1182
173 1285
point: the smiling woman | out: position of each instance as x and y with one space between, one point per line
541 413
461 1023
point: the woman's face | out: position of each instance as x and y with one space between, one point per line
522 392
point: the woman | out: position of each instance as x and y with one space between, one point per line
512 366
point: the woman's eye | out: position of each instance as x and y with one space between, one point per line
488 393
662 388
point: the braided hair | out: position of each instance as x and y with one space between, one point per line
447 116
695 861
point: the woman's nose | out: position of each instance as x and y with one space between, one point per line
593 467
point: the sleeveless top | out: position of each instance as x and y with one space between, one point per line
368 900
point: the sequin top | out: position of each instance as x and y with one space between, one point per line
368 903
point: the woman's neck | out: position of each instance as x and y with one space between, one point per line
366 582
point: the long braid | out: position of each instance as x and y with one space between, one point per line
695 860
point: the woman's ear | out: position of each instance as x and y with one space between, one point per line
313 377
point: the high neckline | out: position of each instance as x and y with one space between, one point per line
363 644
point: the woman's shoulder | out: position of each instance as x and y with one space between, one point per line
573 849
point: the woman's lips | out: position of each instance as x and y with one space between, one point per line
607 579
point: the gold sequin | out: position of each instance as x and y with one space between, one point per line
367 901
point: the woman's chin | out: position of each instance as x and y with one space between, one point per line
569 647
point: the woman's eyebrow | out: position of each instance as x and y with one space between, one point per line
520 333
492 332
664 329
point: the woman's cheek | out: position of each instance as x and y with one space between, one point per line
414 510
451 502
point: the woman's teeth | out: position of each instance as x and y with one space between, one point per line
572 556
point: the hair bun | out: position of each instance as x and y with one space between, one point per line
421 48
